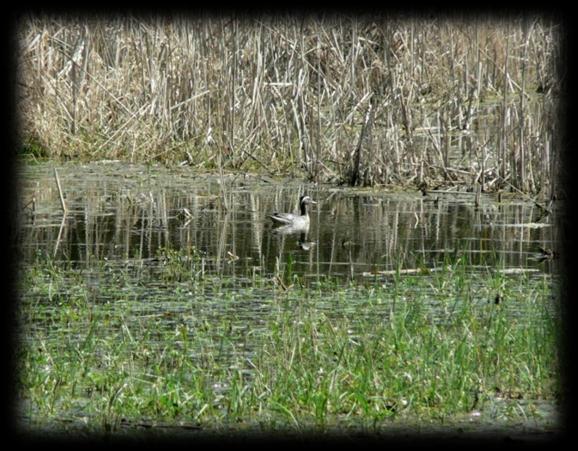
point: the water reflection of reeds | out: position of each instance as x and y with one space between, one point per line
131 217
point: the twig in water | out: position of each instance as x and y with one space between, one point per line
62 203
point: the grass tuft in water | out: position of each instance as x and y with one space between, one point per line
154 348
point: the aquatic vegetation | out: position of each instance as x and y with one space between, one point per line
217 352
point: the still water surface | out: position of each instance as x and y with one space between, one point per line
124 212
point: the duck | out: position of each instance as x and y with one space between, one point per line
295 220
546 254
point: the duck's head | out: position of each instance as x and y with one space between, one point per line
306 200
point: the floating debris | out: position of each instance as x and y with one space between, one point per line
517 270
393 272
529 225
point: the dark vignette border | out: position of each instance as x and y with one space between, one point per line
566 222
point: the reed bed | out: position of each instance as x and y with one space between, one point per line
353 100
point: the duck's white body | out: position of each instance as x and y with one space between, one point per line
292 219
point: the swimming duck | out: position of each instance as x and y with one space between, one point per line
300 220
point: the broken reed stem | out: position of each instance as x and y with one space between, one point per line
62 203
60 232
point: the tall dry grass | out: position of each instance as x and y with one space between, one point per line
355 100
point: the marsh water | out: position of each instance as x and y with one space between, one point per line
120 212
123 218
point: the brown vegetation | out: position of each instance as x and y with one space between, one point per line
353 100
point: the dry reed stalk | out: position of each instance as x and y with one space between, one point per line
60 193
288 92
